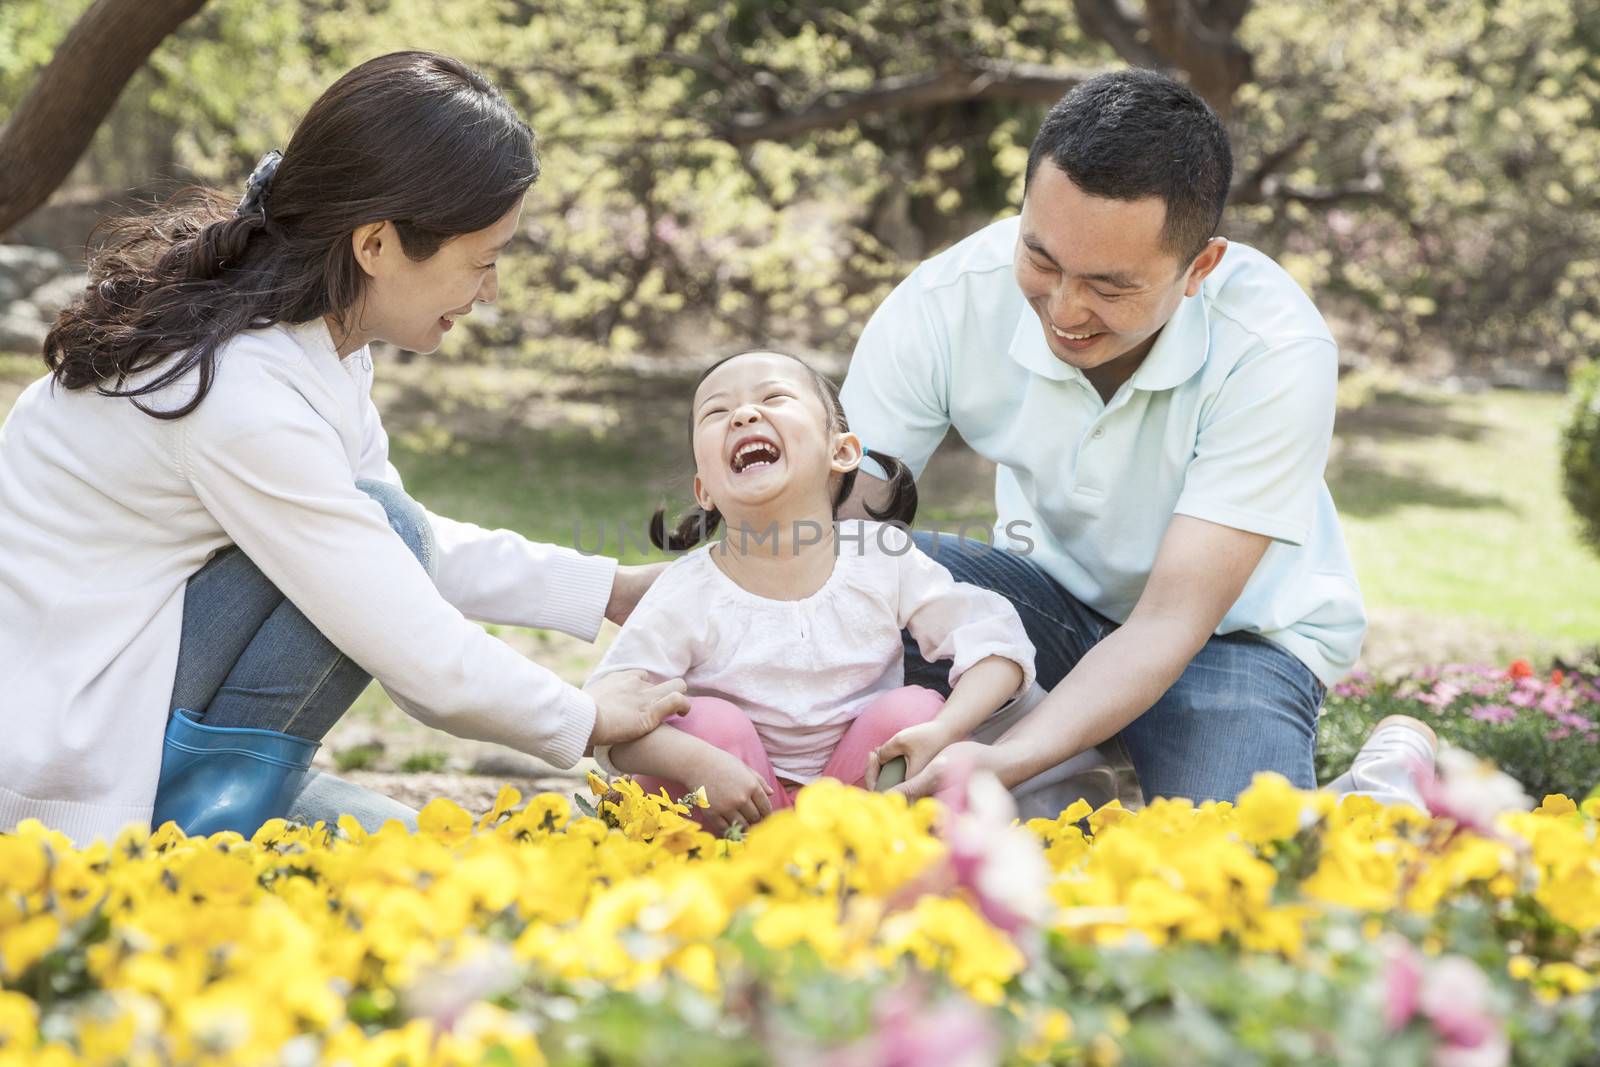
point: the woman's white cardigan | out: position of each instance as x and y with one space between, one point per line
105 512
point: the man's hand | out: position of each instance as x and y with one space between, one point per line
919 744
628 706
971 754
736 793
628 586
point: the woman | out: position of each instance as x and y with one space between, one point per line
205 554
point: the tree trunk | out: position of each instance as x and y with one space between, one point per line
57 119
1197 37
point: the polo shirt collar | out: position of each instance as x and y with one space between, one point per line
1180 349
1032 351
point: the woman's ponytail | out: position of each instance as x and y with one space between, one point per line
218 246
164 291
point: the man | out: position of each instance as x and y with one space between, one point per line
1159 404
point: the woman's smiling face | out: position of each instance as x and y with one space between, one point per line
763 436
412 303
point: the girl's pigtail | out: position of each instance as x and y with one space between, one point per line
695 526
902 505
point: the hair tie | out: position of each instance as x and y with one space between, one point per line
255 187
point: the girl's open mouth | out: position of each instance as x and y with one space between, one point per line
752 453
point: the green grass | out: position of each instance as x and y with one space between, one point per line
424 762
1452 506
576 489
358 757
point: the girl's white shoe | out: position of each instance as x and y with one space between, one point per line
1397 759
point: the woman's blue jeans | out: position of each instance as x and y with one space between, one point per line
250 660
1242 705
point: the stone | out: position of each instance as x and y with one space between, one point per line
57 293
27 267
21 330
510 764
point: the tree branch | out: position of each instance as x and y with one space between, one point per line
57 119
1265 187
1248 189
970 80
1127 36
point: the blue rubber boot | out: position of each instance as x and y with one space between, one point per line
227 778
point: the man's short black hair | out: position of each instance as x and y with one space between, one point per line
1134 133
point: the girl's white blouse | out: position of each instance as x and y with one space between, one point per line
802 670
105 512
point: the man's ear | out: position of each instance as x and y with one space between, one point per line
846 453
370 242
702 497
1204 264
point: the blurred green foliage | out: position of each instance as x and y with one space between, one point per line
1580 450
1426 167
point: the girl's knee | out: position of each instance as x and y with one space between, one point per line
408 519
721 723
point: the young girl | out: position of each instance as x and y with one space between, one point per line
205 554
787 630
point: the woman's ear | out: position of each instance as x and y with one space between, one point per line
846 453
702 497
369 242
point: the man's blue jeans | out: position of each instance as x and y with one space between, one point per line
1242 705
249 658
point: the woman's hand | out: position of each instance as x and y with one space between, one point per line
628 586
971 754
736 793
919 744
627 705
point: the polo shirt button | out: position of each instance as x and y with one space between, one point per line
1099 431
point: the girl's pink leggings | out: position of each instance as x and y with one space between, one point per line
722 724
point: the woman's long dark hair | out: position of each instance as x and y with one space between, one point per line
414 138
697 523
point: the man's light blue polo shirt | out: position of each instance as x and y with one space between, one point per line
1228 419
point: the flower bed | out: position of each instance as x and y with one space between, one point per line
853 929
1542 728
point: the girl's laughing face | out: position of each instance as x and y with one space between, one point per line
763 439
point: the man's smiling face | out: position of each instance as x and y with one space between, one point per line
1099 274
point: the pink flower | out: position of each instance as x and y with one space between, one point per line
910 1031
1443 695
1471 791
1494 713
1000 864
1457 998
1402 981
1556 701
